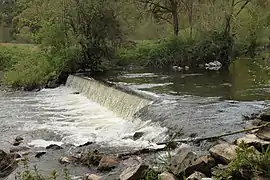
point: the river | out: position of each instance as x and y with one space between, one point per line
197 102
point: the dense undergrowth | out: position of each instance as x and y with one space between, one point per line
177 51
25 66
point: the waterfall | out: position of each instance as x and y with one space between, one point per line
122 101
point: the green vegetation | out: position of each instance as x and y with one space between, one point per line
34 174
97 35
248 163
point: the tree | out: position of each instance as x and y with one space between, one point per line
166 10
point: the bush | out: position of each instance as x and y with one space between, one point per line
25 67
248 163
180 52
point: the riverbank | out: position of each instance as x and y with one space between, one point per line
247 158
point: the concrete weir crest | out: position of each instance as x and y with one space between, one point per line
123 101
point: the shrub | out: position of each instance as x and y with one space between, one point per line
180 52
248 163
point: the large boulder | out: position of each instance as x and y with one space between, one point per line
134 172
182 160
263 133
108 162
8 164
253 140
224 153
166 176
196 176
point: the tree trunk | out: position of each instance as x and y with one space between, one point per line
175 18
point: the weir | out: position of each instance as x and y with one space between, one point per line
124 102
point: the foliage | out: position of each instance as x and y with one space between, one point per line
150 174
28 174
248 163
25 67
180 52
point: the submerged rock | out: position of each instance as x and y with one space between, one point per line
183 159
134 172
86 144
108 162
137 135
19 138
224 152
196 176
166 176
253 140
18 141
54 147
76 92
39 154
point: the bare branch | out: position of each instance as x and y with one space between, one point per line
242 7
155 4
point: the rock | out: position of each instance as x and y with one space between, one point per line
111 176
90 158
137 135
16 143
265 115
19 138
19 148
224 152
108 162
39 154
196 176
253 140
93 177
263 133
203 164
177 68
52 84
183 159
186 68
86 144
166 176
66 160
134 172
54 147
7 164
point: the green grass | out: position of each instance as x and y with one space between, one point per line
25 66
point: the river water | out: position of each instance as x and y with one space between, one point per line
197 102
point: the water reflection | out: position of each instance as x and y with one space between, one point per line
246 79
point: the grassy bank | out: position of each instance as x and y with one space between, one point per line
25 66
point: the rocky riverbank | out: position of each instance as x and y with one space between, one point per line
224 160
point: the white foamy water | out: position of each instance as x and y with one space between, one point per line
73 119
